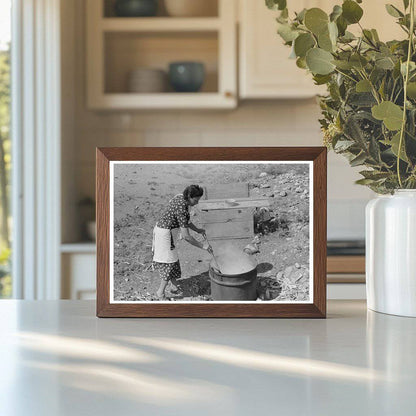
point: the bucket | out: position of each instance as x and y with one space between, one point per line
241 286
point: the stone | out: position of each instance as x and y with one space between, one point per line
288 271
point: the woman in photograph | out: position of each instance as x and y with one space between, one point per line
175 217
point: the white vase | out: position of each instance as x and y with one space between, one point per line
391 253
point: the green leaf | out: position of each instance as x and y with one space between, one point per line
347 37
319 61
336 12
412 67
358 61
390 113
364 181
351 11
394 145
361 99
375 35
341 64
316 20
374 175
301 63
363 86
393 11
276 4
300 17
411 90
343 145
368 36
385 63
303 43
342 25
325 43
374 150
286 32
333 32
358 160
321 79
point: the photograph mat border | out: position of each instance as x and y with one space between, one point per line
194 162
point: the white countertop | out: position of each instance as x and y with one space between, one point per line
58 359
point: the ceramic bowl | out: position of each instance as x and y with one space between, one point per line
135 8
186 76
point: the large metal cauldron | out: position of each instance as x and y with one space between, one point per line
233 286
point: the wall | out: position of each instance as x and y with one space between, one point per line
255 123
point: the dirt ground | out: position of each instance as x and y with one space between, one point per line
141 193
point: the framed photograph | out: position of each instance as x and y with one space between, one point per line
211 232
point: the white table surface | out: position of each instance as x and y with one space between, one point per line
57 358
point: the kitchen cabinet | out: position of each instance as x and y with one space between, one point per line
265 70
118 45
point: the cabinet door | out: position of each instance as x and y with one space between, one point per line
265 68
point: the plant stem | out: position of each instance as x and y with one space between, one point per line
345 75
406 79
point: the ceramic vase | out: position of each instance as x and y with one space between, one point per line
391 253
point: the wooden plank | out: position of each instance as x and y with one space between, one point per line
345 278
220 191
230 230
213 204
346 264
229 190
226 215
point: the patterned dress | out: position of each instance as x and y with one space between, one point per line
176 215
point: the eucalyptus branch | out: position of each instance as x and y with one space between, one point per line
346 75
406 79
373 89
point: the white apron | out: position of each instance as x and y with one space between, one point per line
161 245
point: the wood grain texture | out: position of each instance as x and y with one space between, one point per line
346 264
317 309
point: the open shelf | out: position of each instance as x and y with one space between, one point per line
127 51
160 24
116 46
211 9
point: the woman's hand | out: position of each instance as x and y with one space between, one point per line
207 246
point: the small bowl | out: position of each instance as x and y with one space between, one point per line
136 8
186 76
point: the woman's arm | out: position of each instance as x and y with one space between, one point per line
193 227
191 240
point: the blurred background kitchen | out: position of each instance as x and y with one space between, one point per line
150 73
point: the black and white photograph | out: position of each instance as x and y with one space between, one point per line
211 231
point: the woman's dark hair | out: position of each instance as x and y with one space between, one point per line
192 191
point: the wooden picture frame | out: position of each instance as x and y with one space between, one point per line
314 308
